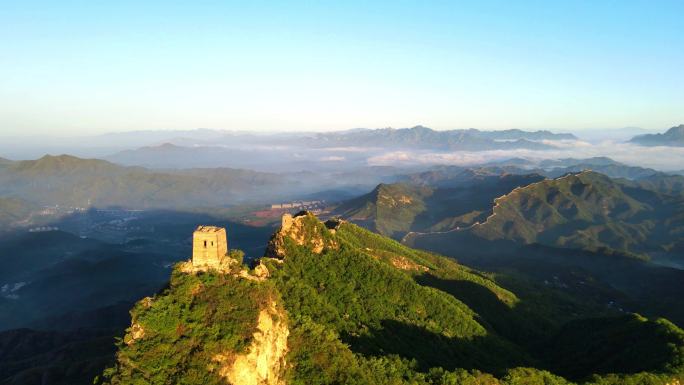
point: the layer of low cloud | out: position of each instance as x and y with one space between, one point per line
333 159
659 158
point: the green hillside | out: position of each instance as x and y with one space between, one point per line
342 305
587 210
665 184
5 162
390 209
396 209
71 181
14 210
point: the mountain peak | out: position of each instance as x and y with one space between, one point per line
304 229
61 163
672 137
540 211
677 130
58 158
421 128
168 145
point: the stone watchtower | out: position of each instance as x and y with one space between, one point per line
209 247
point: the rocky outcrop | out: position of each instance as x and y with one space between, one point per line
135 332
225 265
303 229
403 263
264 362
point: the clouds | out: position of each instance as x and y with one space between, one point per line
333 159
659 158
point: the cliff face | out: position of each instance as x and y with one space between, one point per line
264 362
207 328
304 229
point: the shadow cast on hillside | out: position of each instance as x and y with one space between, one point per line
429 349
582 274
576 350
492 313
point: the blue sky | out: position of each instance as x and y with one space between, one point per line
86 67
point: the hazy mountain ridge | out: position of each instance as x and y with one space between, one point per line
450 197
452 175
529 213
14 210
423 137
413 134
432 205
72 181
338 149
588 210
672 137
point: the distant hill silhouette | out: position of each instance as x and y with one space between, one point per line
672 137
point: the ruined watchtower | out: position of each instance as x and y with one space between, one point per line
209 247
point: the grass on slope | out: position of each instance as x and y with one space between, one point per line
586 210
197 317
358 313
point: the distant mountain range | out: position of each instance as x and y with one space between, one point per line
71 181
273 158
395 209
569 231
611 134
414 137
65 181
586 210
322 151
576 207
672 137
570 256
557 167
423 137
244 143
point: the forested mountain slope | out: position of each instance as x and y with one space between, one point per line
71 181
395 209
332 303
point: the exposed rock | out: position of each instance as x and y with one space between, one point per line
261 271
305 230
264 363
197 289
244 273
135 332
286 222
224 266
403 263
146 302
